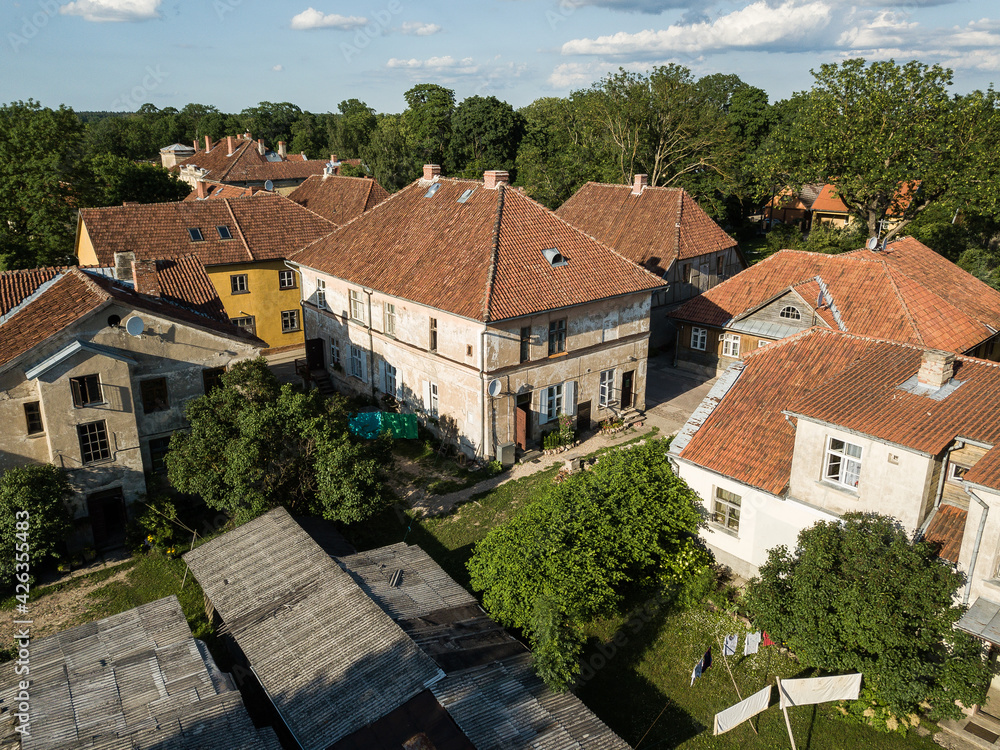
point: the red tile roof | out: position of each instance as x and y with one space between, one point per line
247 164
851 382
76 294
16 286
263 227
947 529
907 293
339 199
216 190
827 201
183 281
481 258
653 229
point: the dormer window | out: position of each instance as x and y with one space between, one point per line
224 233
195 234
554 257
433 189
790 313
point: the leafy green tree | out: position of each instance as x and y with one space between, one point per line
388 154
310 136
858 595
895 141
573 553
486 133
354 127
428 122
116 180
255 444
35 495
271 121
129 137
40 167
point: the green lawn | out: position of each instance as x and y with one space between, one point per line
651 672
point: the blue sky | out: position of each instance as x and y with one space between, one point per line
118 54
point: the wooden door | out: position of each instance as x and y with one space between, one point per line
627 378
315 354
521 426
107 518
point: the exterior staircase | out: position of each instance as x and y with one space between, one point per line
323 383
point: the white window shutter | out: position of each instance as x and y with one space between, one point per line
364 366
569 397
543 406
427 395
381 376
399 385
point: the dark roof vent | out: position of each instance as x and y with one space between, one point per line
554 257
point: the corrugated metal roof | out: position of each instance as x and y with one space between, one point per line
982 620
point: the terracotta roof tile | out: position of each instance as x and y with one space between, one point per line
481 258
947 529
216 190
828 202
908 293
339 199
644 228
16 286
852 382
77 293
183 281
246 164
263 227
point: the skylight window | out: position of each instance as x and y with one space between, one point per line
466 195
224 233
433 189
554 257
195 234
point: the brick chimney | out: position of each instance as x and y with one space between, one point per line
432 171
639 182
123 265
495 177
260 146
282 150
208 143
936 369
144 277
334 159
231 145
200 190
196 148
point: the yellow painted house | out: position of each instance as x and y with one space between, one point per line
242 243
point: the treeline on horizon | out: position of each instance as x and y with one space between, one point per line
871 128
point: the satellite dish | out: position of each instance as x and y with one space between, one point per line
268 185
872 243
135 326
495 387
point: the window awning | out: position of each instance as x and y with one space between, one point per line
982 620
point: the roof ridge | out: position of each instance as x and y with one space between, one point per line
680 223
304 208
235 156
91 284
902 301
239 229
494 253
666 188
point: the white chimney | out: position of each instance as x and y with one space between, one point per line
282 150
260 146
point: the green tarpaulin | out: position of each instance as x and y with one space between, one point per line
371 424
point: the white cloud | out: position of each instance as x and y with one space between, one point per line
445 64
278 68
113 10
314 19
759 25
417 28
575 75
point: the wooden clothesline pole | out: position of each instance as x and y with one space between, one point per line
725 661
784 710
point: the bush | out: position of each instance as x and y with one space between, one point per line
34 518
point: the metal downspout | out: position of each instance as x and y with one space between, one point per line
979 538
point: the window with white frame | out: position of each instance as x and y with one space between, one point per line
357 307
731 345
552 402
699 338
762 343
956 472
790 313
334 351
286 279
390 379
432 407
357 366
726 508
843 463
289 321
390 319
606 393
321 294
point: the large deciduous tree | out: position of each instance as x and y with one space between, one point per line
271 121
428 122
858 595
894 141
116 180
388 154
34 496
40 168
354 127
485 134
255 444
571 555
